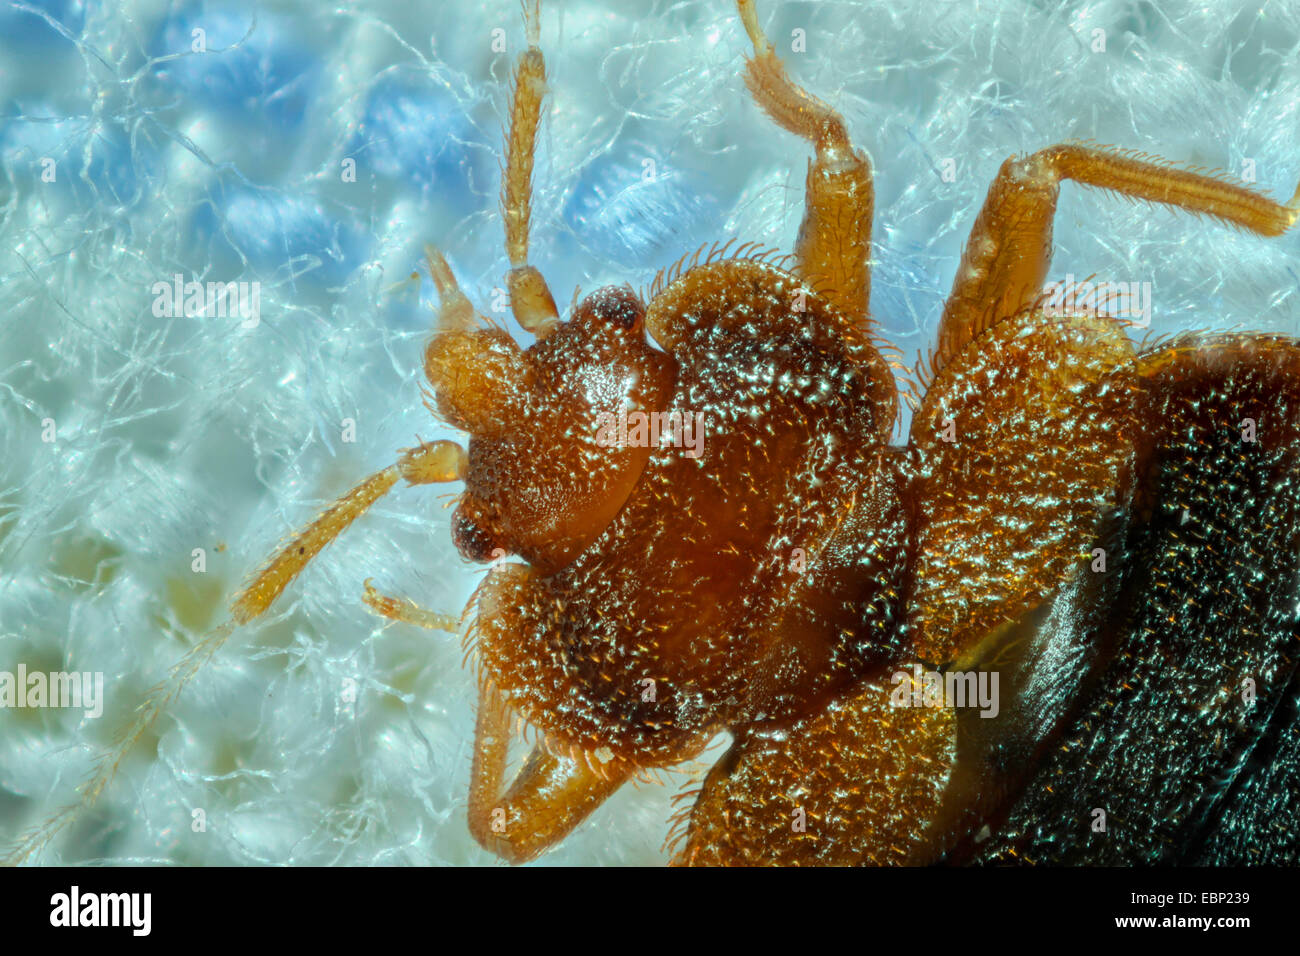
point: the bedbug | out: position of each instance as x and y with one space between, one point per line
774 736
717 533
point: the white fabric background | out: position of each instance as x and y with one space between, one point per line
181 433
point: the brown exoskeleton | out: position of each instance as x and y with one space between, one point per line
769 578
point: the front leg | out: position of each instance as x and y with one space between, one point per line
551 795
834 245
558 786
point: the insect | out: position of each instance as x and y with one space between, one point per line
769 578
777 580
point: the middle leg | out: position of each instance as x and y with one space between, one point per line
1006 258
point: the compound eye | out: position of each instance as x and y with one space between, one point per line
472 533
616 306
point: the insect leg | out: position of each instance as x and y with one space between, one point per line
530 298
834 243
1006 258
551 795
